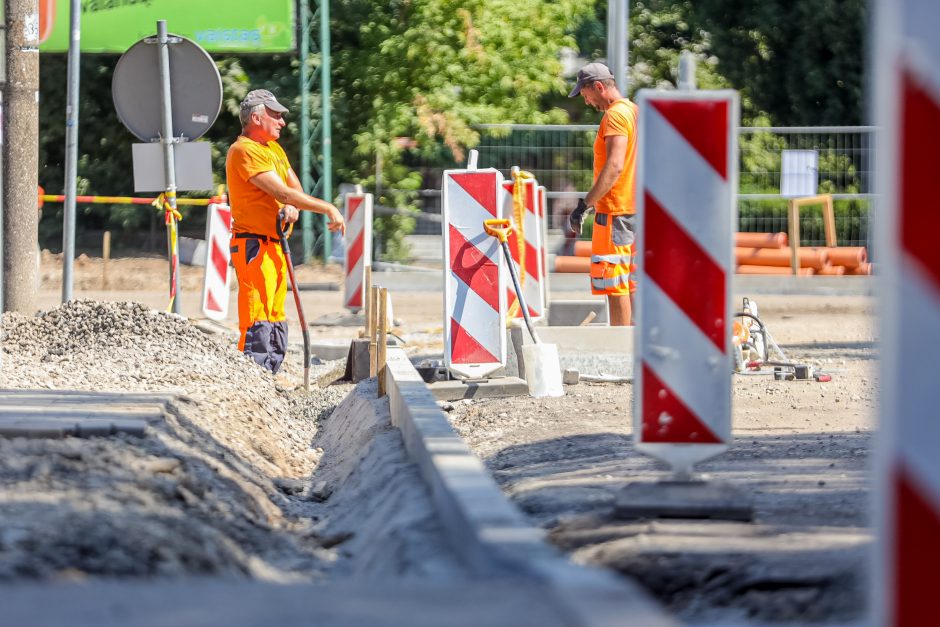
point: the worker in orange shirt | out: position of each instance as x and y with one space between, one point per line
611 195
262 186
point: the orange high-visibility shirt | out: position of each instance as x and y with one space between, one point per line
619 119
253 210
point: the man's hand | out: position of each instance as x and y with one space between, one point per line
336 222
576 219
290 214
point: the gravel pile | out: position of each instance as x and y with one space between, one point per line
210 492
125 347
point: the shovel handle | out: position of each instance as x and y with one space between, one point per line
280 226
498 228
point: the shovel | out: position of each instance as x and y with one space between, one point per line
542 368
293 285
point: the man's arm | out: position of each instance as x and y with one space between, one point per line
270 183
616 146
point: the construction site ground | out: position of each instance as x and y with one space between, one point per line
801 451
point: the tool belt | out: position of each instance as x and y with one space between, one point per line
263 238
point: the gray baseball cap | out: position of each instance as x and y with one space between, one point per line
262 97
588 74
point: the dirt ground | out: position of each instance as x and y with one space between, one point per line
801 452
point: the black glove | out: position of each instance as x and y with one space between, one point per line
577 217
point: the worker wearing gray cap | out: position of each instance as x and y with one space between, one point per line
611 195
262 185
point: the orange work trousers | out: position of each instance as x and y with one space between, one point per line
612 251
262 289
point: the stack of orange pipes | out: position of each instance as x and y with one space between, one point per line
759 253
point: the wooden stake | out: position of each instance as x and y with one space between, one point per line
105 255
383 339
373 328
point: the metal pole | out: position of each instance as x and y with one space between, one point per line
21 158
687 71
618 14
71 148
306 218
169 168
325 121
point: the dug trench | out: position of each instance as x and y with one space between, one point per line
246 476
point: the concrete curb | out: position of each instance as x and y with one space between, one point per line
485 529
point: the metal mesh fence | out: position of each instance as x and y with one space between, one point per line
561 159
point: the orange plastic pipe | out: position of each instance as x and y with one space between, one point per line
761 240
849 256
582 248
777 270
832 271
564 263
809 258
863 269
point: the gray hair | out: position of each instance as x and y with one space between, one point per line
245 114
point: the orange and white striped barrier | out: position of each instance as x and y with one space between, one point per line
687 177
474 288
215 287
358 249
907 106
528 257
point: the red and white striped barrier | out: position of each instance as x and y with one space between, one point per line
358 249
907 107
542 203
687 177
474 287
532 232
215 287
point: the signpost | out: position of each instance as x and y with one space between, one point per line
170 93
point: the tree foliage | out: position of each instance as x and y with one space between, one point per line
412 78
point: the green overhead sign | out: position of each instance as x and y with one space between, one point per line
216 25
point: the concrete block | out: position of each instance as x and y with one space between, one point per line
569 313
592 350
684 499
501 387
357 363
328 350
344 319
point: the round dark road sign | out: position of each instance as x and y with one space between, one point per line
195 88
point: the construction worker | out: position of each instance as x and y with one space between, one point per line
261 187
611 195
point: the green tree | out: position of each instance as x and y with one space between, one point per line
801 61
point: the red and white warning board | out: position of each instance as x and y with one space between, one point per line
907 107
215 287
474 286
542 203
531 256
687 179
358 249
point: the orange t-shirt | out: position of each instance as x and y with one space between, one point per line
253 210
619 119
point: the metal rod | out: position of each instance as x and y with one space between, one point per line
326 124
71 147
306 218
687 71
169 167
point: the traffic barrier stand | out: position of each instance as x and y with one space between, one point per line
358 248
474 288
520 202
215 286
907 506
542 204
687 177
